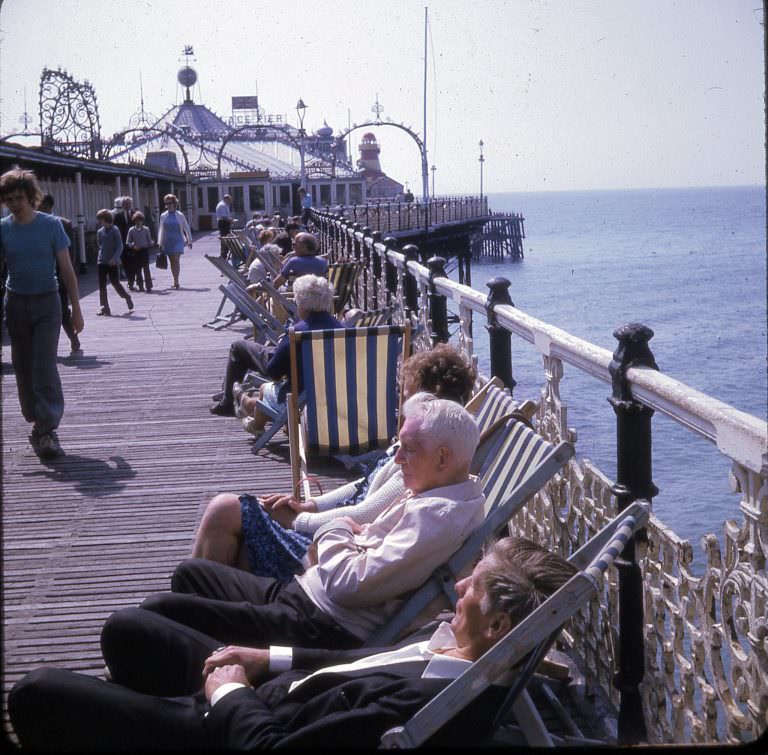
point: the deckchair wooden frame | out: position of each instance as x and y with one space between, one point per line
532 635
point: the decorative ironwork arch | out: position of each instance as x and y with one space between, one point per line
119 138
69 115
371 124
259 127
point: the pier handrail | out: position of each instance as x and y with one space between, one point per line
739 435
690 638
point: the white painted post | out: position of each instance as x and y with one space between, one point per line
80 220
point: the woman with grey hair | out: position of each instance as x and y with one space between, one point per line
313 296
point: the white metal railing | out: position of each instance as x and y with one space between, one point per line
706 624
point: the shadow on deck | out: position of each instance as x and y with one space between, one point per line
104 526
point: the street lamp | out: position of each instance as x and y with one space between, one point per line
433 169
481 160
300 110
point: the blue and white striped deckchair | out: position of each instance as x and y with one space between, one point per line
515 469
343 276
530 640
350 389
492 402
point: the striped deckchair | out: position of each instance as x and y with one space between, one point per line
351 392
370 318
518 465
237 252
492 402
344 277
524 647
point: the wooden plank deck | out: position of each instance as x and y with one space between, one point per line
104 526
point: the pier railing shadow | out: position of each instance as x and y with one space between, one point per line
678 647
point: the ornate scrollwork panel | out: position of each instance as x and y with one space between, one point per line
69 114
707 629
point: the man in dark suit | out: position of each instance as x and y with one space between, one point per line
124 220
326 698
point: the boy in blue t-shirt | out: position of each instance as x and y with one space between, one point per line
32 243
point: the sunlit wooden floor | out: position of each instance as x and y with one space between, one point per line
104 526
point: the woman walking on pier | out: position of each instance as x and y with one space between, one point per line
32 243
174 233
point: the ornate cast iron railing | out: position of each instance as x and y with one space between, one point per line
680 648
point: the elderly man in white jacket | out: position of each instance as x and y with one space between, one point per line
360 574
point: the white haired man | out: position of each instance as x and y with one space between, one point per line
321 698
313 297
358 581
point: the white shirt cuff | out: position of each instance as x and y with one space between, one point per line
225 689
280 659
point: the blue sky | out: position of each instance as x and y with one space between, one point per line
564 94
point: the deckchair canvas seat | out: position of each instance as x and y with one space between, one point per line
350 390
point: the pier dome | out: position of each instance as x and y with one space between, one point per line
187 76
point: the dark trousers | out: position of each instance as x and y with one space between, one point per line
142 269
243 356
56 710
225 226
159 648
111 272
34 324
128 261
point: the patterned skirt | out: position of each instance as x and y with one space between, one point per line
273 551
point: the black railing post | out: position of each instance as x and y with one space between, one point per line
633 481
391 270
366 254
438 303
375 269
355 243
411 252
500 339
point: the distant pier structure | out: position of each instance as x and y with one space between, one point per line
500 237
460 228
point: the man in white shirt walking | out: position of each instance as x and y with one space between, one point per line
224 219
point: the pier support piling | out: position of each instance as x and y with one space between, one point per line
500 338
633 481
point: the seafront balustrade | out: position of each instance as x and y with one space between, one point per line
678 646
391 217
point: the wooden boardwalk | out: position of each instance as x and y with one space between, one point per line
104 526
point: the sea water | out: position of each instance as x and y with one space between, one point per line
688 263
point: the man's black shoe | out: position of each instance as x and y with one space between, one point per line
222 409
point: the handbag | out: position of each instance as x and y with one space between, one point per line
161 261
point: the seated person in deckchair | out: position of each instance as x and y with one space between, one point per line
305 261
359 578
314 301
269 535
242 698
